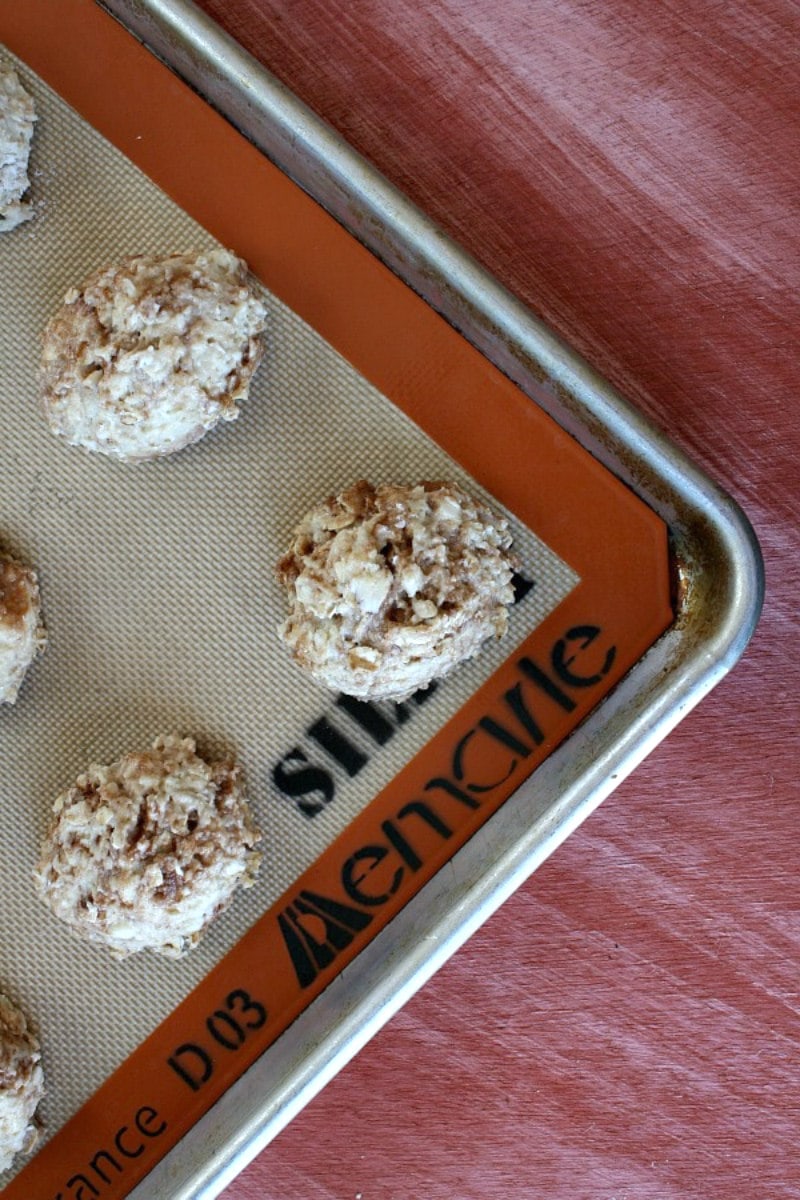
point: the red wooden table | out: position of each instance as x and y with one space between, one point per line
627 1026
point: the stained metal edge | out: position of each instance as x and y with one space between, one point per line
417 943
712 540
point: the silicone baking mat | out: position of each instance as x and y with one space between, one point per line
161 603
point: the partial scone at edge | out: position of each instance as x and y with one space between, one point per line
149 354
17 117
391 587
21 1084
146 852
22 634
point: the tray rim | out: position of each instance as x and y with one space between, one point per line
722 587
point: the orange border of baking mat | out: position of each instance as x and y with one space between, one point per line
615 543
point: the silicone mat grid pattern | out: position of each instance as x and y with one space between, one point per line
160 598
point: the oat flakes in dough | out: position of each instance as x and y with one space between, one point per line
145 853
150 354
17 117
21 1083
392 587
22 634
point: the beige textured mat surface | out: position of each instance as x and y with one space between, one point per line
160 600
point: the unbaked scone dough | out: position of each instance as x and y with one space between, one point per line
21 1083
149 354
392 587
143 854
22 634
17 117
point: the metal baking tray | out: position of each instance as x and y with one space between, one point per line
717 588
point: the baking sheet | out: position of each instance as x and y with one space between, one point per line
160 598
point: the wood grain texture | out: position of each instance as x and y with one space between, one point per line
627 1026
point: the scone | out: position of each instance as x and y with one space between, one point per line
21 1083
143 854
17 117
22 634
150 354
392 587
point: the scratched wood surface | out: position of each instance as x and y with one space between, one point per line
627 1025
